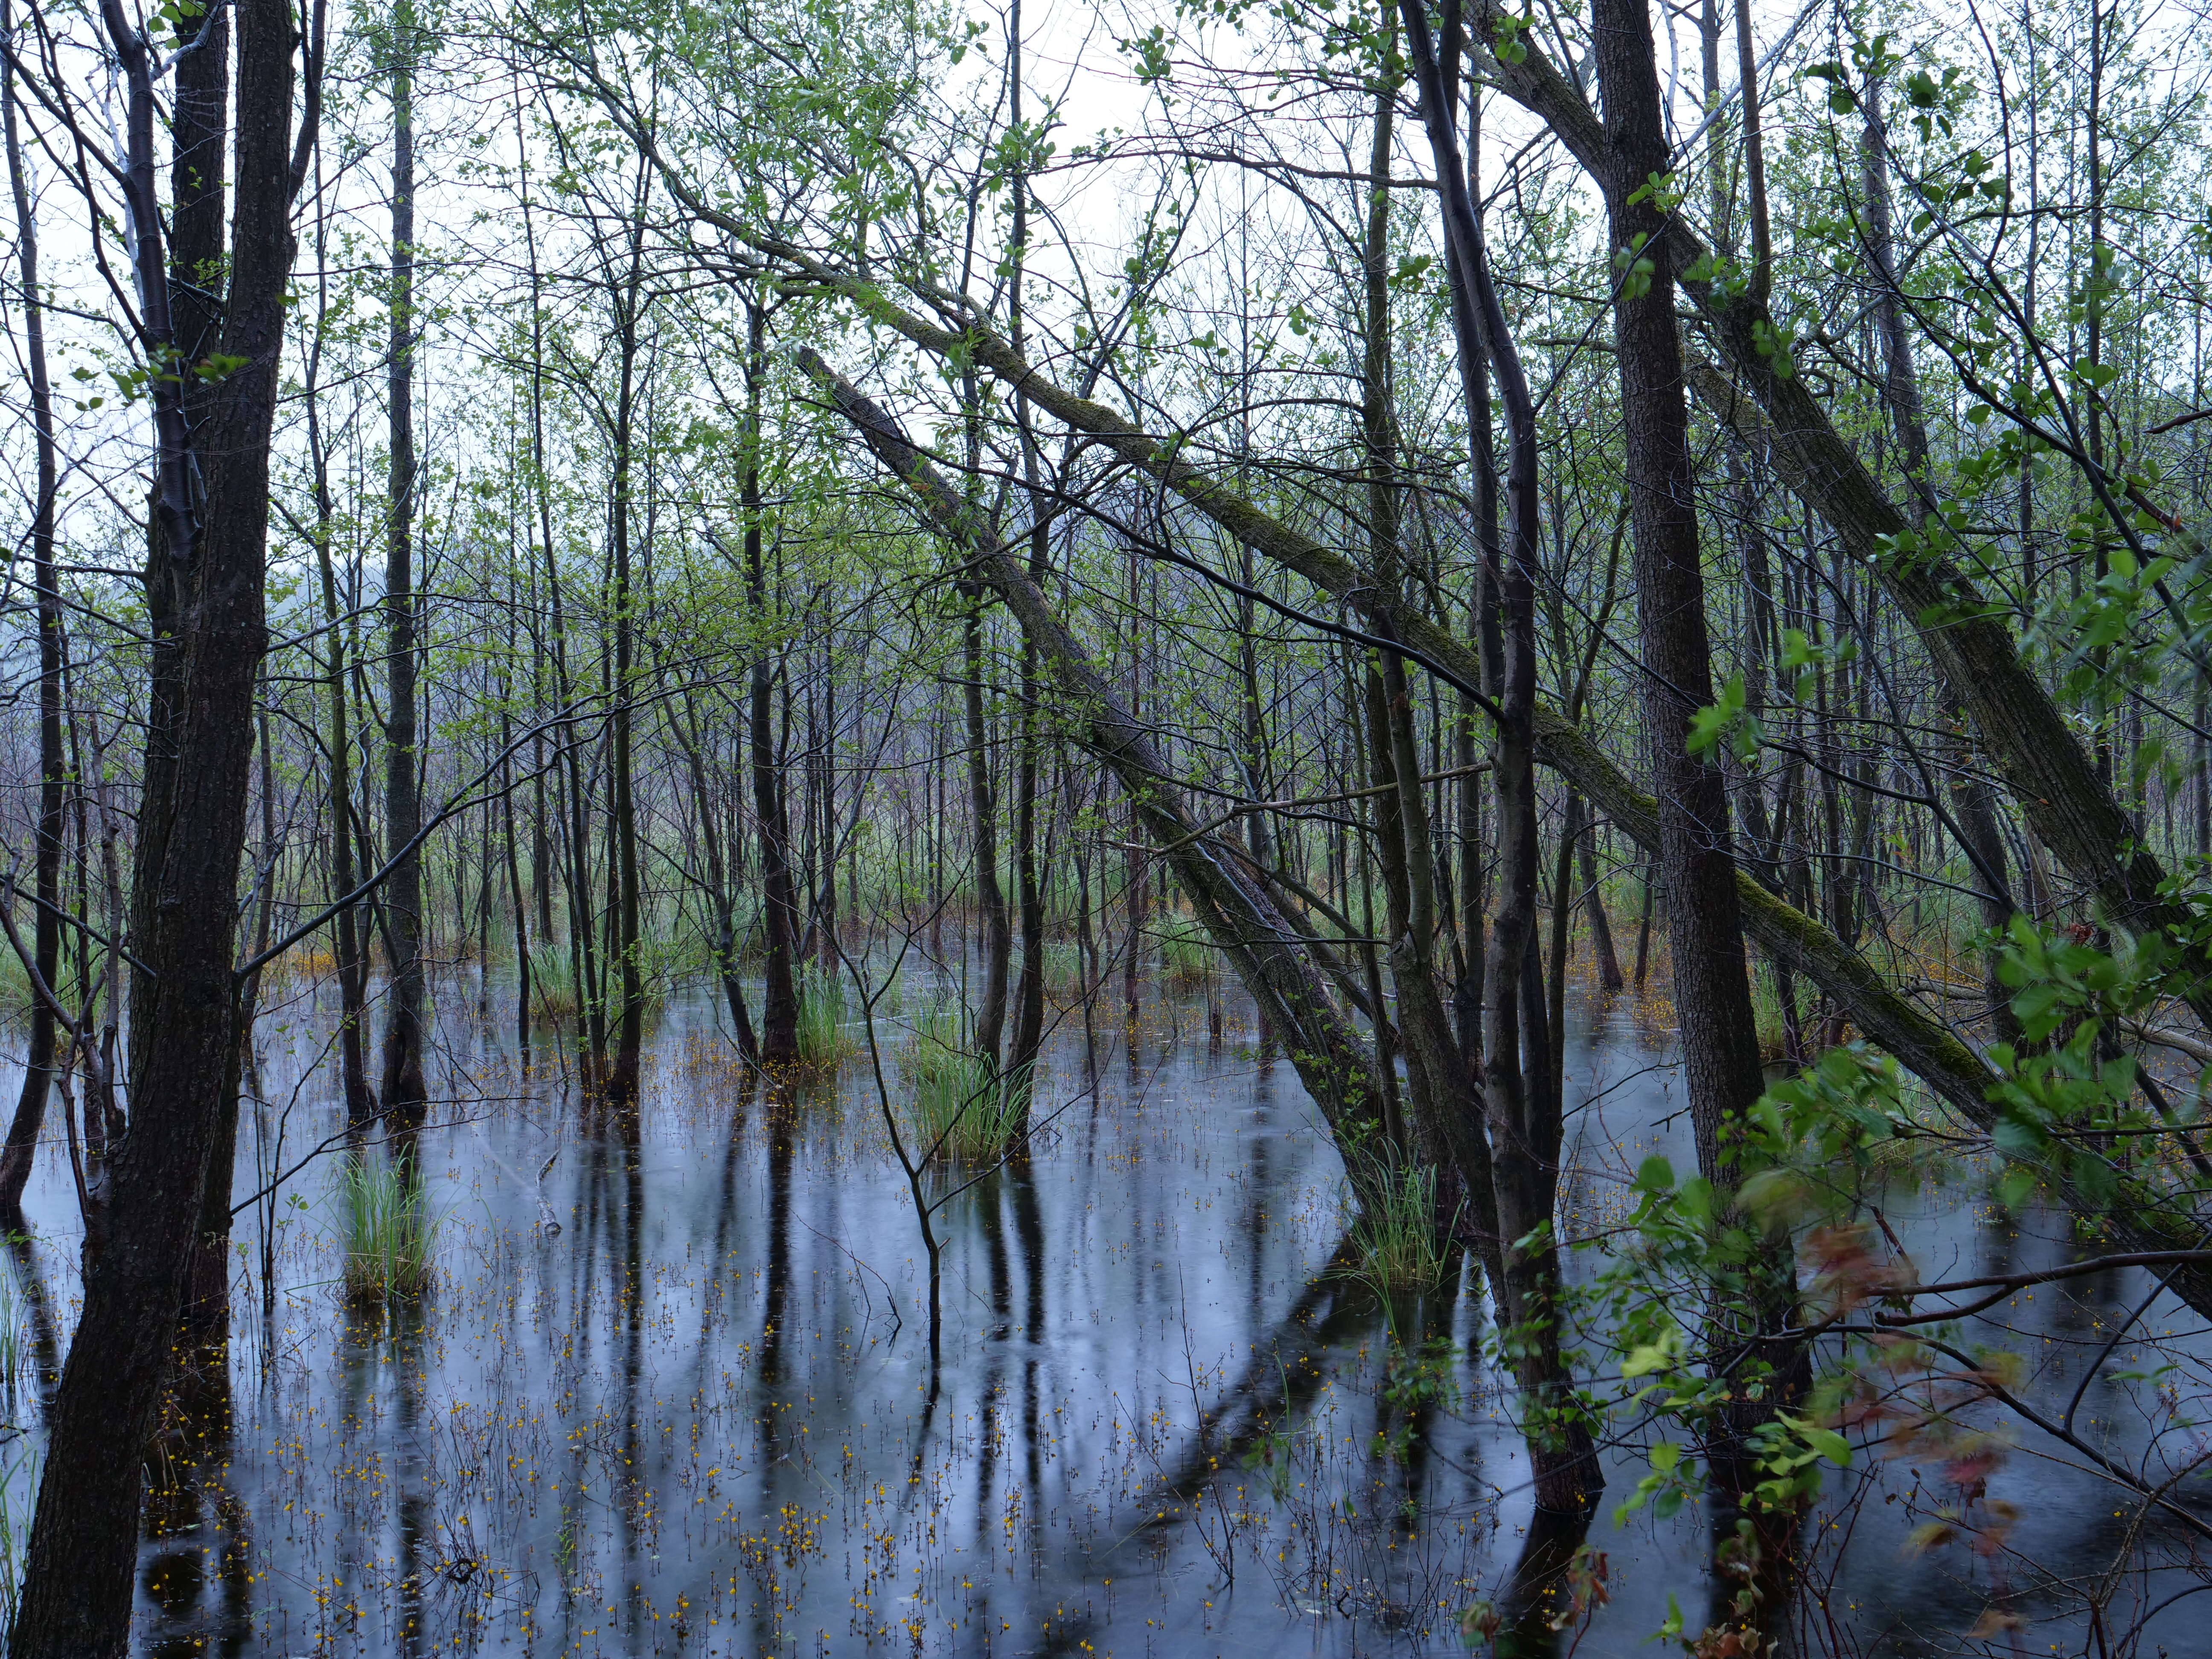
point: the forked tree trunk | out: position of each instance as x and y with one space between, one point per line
1520 1086
207 566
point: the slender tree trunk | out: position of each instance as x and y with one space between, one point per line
621 1081
1447 1116
351 966
403 1091
724 943
991 896
1609 976
23 1128
1523 1104
517 902
1028 992
778 1038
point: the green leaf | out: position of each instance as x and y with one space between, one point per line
1826 1441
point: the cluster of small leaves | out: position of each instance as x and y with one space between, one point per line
2066 1095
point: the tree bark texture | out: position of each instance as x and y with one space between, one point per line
207 568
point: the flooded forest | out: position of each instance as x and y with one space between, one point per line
1159 828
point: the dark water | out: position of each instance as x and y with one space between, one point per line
701 1415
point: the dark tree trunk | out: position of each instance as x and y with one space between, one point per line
1712 990
1520 1095
779 1037
622 1077
724 944
991 896
403 1090
515 899
351 965
1609 976
1447 1125
1029 991
206 573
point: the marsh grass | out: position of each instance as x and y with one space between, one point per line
12 1352
1063 967
387 1231
1400 1248
822 1038
553 992
19 1490
957 1101
1186 953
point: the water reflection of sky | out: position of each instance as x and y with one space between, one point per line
701 1417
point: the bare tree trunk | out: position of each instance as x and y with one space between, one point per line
1520 1097
1712 991
351 965
1447 1126
405 1092
23 1128
207 565
991 896
779 1040
621 1079
723 945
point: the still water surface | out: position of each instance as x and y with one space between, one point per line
672 1393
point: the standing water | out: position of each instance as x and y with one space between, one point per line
669 1387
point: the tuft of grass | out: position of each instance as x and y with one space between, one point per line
388 1232
1063 967
823 1039
553 992
1186 952
1400 1248
19 1491
12 1349
956 1101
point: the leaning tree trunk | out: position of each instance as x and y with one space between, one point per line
1259 941
1922 1043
